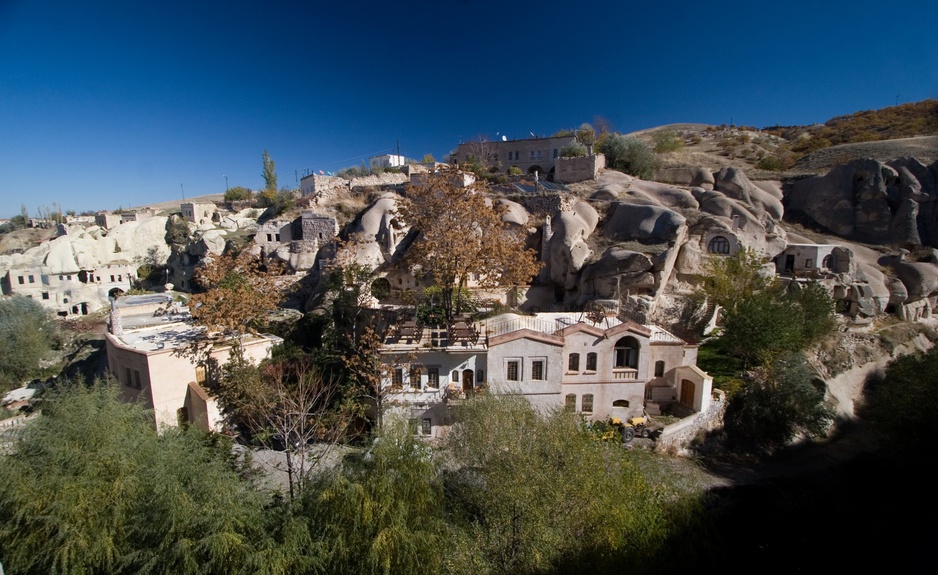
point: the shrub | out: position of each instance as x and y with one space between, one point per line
27 335
667 141
771 163
515 171
629 155
573 150
237 194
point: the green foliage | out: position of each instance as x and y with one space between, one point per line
277 202
771 163
384 513
573 150
586 134
431 308
177 231
27 335
428 159
515 171
90 487
667 141
629 155
729 279
354 172
537 494
269 174
903 404
777 404
237 194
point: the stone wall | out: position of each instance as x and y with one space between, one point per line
546 204
676 437
570 170
387 179
318 227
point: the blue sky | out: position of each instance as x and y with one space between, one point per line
115 104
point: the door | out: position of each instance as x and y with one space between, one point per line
467 379
687 392
789 264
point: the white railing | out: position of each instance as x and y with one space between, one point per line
516 324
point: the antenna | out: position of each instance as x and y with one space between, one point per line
504 138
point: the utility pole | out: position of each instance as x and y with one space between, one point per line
226 182
183 191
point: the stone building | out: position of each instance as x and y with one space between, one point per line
198 213
530 155
76 292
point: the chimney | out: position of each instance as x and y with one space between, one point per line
117 327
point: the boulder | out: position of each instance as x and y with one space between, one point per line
651 224
686 176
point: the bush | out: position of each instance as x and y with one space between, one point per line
515 171
771 163
237 194
667 141
27 335
629 155
573 150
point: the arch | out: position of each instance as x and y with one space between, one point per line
467 378
659 368
535 168
626 353
115 293
620 403
569 402
828 262
719 245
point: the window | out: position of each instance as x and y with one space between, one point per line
537 369
555 152
270 237
32 279
426 426
573 362
620 403
397 378
45 295
480 376
808 263
569 402
626 351
433 377
21 279
591 361
719 245
132 378
277 237
415 376
588 403
136 379
513 371
68 277
61 278
112 279
454 376
659 369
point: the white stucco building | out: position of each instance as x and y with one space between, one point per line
144 345
601 367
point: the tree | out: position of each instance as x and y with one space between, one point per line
589 509
462 235
730 279
91 487
286 404
762 325
237 194
27 336
778 403
629 155
429 159
239 292
270 176
573 150
902 404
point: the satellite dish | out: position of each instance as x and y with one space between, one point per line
504 138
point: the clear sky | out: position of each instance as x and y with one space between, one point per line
108 104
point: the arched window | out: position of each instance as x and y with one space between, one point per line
620 403
591 361
828 262
659 369
570 402
719 245
573 362
626 352
587 403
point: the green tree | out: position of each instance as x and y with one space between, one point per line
237 194
270 175
730 279
28 334
902 403
777 404
761 325
629 155
536 492
428 159
462 235
90 487
573 150
384 513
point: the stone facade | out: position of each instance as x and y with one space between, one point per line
530 155
79 292
107 221
570 170
318 227
198 213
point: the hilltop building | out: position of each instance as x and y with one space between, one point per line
529 155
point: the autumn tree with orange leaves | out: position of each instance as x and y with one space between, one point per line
462 234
